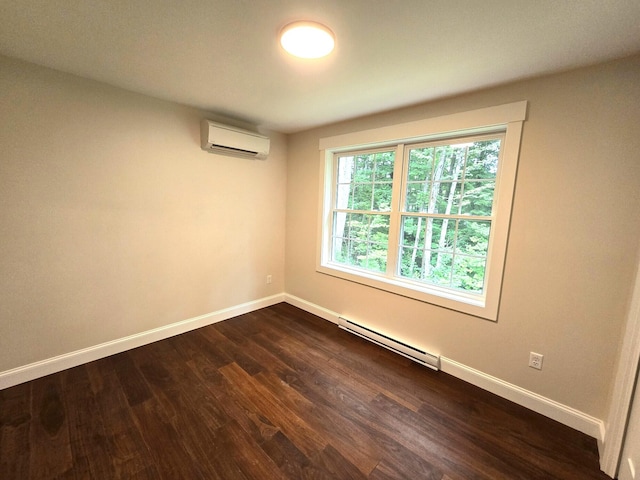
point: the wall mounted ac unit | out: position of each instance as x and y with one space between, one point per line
227 140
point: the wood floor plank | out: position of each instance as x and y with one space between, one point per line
195 345
332 460
364 360
393 470
87 433
382 423
513 441
232 351
239 331
236 407
275 394
127 450
332 393
338 431
291 461
265 356
133 385
273 343
50 447
332 367
167 449
377 424
296 429
491 462
170 378
15 418
249 457
191 413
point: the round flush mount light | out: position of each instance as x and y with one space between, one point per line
307 39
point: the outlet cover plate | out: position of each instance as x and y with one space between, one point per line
535 360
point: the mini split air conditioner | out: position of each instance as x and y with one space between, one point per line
226 140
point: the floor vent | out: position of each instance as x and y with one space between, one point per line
411 352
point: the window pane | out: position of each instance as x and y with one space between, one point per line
438 269
443 232
384 166
375 258
420 163
444 251
365 181
340 250
426 266
361 196
482 159
345 169
450 162
468 273
378 228
382 197
339 224
436 233
439 197
413 232
361 240
445 172
363 168
445 198
473 237
342 195
418 196
411 263
477 198
442 169
431 265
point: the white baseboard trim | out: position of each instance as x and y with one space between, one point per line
549 408
39 369
606 465
312 308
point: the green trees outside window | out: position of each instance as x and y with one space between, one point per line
361 219
444 212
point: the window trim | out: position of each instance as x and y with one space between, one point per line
508 118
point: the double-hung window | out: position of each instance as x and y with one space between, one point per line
423 211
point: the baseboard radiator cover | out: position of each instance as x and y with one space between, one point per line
413 353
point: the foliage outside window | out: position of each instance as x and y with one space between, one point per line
363 203
423 217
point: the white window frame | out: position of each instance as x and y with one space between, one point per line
509 119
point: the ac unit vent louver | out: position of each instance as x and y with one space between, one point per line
227 140
413 353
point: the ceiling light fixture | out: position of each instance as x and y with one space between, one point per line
307 39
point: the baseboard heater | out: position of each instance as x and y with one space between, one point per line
413 353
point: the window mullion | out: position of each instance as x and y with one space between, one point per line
397 196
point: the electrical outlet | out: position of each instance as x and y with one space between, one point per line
535 360
269 279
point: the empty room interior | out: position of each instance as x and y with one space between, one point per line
415 256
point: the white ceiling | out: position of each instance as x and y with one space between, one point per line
223 55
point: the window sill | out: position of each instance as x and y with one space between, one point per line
470 304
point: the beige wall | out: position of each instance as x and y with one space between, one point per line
114 221
573 242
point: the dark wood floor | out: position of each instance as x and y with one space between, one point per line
275 394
